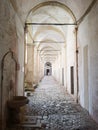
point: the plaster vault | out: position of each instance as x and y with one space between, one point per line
45 37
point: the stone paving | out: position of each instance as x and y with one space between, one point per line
50 108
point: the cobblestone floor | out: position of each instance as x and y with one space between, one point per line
50 108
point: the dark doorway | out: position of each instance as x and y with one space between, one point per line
48 68
47 72
72 79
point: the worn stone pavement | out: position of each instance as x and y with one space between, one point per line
51 108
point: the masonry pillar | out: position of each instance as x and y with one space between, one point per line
30 63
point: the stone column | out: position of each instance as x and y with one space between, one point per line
35 65
29 65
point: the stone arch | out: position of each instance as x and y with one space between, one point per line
53 3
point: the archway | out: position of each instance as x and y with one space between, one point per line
48 69
51 38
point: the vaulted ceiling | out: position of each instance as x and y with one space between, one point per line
49 38
23 7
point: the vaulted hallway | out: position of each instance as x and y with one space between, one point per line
48 57
52 108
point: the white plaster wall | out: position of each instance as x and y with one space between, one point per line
41 69
54 69
71 58
60 80
58 68
83 76
81 79
88 35
62 65
65 68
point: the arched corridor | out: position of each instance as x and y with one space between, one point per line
51 108
49 64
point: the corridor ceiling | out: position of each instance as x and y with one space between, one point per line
23 7
49 39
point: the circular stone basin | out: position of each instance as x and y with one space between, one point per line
18 101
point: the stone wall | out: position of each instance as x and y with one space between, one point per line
11 37
88 38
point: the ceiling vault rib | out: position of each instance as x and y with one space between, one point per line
57 24
49 41
87 11
50 50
